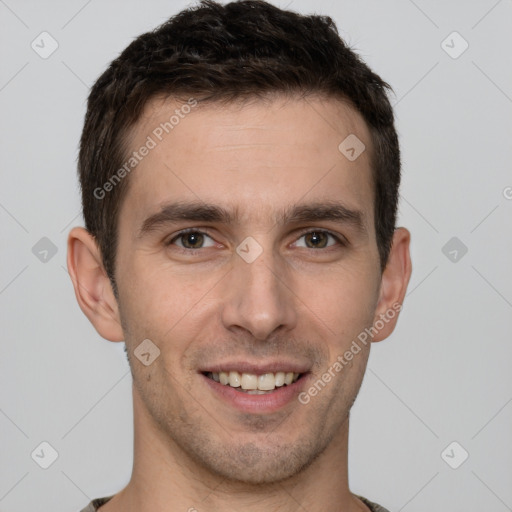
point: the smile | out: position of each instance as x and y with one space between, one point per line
254 384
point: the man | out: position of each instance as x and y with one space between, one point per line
240 171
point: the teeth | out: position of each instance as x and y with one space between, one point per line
279 379
267 381
252 383
234 379
248 381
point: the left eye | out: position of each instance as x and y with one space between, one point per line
318 239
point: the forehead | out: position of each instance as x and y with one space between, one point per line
258 157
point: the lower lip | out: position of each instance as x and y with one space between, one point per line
267 403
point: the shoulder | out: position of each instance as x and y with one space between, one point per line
96 504
374 507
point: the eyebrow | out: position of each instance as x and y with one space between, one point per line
198 211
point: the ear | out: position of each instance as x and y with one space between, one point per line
93 289
394 281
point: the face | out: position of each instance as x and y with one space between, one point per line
277 273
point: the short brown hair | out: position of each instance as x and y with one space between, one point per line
241 50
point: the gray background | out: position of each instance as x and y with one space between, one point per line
443 376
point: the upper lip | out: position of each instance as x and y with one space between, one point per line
257 368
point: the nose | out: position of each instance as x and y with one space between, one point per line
259 297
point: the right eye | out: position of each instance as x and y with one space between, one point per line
190 239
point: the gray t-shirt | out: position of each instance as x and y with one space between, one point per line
95 504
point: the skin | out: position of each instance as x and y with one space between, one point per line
296 301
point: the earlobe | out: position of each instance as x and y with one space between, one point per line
93 289
395 279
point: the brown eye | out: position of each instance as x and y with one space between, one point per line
319 239
192 239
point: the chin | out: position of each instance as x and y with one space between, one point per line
251 464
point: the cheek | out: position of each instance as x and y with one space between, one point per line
342 299
161 303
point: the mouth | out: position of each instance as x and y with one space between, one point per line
256 387
253 383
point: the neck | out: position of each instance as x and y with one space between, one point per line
166 479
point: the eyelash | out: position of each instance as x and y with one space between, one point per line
187 231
